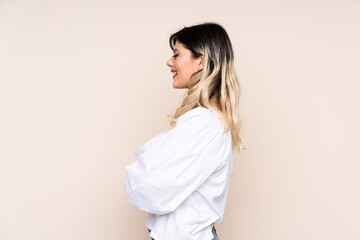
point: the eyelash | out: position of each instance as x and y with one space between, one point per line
174 56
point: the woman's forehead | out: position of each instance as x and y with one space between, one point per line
178 46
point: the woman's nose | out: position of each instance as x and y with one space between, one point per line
169 62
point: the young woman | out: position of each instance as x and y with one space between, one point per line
181 176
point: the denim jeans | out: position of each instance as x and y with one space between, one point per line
213 231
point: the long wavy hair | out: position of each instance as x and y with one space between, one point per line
216 86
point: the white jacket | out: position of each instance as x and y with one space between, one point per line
181 177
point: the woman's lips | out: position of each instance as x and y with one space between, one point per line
174 72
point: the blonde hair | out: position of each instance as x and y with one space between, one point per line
216 86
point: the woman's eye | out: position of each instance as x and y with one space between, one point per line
174 56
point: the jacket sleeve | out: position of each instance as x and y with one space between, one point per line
174 164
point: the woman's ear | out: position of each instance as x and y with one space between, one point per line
201 63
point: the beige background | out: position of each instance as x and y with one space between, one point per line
83 83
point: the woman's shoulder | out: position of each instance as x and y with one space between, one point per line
200 113
201 117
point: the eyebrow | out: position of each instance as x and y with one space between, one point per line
176 50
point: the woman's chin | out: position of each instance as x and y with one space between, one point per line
175 85
179 86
